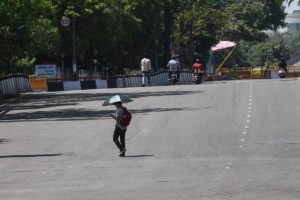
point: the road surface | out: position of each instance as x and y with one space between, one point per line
224 140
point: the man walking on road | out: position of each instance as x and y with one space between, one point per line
120 128
145 68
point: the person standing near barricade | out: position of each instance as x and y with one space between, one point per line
146 69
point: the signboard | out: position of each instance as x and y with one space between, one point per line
48 70
65 21
39 83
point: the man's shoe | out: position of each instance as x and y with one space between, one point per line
122 153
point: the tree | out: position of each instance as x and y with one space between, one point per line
196 25
25 28
248 20
119 32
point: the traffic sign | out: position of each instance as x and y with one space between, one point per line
65 21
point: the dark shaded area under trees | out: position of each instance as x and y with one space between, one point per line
117 33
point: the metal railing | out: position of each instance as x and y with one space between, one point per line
13 85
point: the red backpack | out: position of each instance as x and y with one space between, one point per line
126 116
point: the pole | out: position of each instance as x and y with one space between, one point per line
107 73
102 75
226 58
62 66
74 65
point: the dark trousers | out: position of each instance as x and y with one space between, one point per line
119 133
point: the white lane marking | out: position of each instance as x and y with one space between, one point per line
246 127
248 121
250 104
244 133
241 146
227 168
248 116
242 140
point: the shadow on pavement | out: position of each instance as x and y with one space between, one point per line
47 100
35 101
30 156
75 114
4 141
138 156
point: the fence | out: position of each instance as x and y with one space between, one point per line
13 85
156 79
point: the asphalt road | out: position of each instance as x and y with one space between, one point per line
220 140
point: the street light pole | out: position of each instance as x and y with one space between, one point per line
107 68
62 66
74 65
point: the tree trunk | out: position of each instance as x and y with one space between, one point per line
168 18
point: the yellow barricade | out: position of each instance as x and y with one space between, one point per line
40 84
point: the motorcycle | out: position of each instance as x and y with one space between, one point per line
281 73
197 77
174 78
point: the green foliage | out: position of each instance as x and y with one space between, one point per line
291 39
196 31
247 20
25 28
277 45
119 32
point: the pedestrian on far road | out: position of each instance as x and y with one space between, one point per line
120 128
146 69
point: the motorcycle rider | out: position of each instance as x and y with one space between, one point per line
282 64
173 66
197 67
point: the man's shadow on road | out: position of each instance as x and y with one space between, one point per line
138 156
